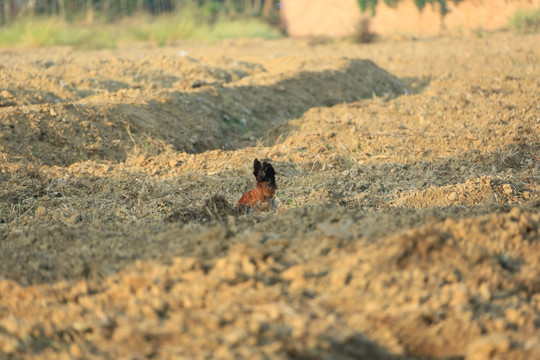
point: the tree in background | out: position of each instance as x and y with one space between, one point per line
117 9
420 4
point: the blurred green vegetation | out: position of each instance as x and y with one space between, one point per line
526 21
420 4
107 23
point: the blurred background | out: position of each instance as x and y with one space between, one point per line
110 23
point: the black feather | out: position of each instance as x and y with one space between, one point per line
256 168
264 172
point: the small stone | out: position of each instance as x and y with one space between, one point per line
81 326
485 347
248 267
40 211
234 337
75 351
10 323
122 333
53 113
6 94
8 343
485 293
452 196
499 324
512 315
507 189
515 213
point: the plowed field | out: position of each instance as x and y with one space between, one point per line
407 220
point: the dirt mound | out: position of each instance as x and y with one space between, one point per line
106 108
407 220
474 192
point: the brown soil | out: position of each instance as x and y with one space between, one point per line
407 223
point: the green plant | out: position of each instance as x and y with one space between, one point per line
526 21
368 4
285 199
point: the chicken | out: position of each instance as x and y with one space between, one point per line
266 186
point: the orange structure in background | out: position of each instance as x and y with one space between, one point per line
339 18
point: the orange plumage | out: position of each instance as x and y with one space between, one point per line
265 188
